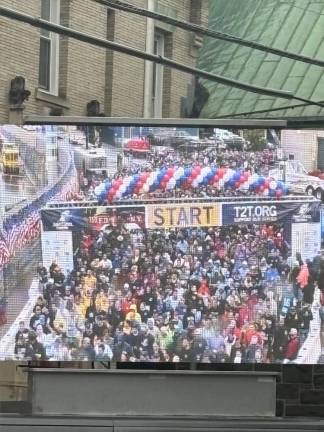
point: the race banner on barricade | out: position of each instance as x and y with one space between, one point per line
268 212
301 220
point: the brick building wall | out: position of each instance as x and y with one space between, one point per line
299 390
19 51
88 73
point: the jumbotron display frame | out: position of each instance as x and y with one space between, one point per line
182 216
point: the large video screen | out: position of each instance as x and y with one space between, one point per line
145 244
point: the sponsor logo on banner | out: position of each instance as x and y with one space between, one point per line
305 213
64 222
269 212
183 215
255 213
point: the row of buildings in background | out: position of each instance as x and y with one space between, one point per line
63 75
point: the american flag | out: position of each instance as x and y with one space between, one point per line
4 251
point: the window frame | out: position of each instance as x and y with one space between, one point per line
54 40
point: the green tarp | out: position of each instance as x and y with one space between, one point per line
293 25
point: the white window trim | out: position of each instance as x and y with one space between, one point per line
54 51
157 97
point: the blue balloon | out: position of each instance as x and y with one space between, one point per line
237 177
272 192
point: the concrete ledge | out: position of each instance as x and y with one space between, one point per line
152 392
158 424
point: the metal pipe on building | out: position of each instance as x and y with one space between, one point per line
148 68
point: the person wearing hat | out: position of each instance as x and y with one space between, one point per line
133 315
293 345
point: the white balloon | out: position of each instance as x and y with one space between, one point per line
265 192
181 171
122 188
127 180
200 178
97 190
177 174
172 183
205 171
145 188
221 183
273 184
195 183
254 178
228 175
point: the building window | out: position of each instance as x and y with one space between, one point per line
157 81
49 48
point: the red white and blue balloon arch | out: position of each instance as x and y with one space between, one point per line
167 179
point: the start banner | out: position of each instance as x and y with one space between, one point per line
183 215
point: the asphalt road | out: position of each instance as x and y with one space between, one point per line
13 189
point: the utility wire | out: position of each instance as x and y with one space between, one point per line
264 111
204 31
93 40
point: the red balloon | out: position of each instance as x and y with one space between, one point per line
262 188
246 175
237 184
196 171
279 193
242 179
221 172
170 172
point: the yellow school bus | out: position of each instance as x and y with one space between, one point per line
9 158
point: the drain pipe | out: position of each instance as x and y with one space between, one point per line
148 68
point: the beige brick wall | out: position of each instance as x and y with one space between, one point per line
86 72
86 64
19 52
128 72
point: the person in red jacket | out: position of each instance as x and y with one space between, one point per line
293 345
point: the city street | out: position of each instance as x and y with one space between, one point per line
13 189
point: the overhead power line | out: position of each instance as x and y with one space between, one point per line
99 42
264 111
204 31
